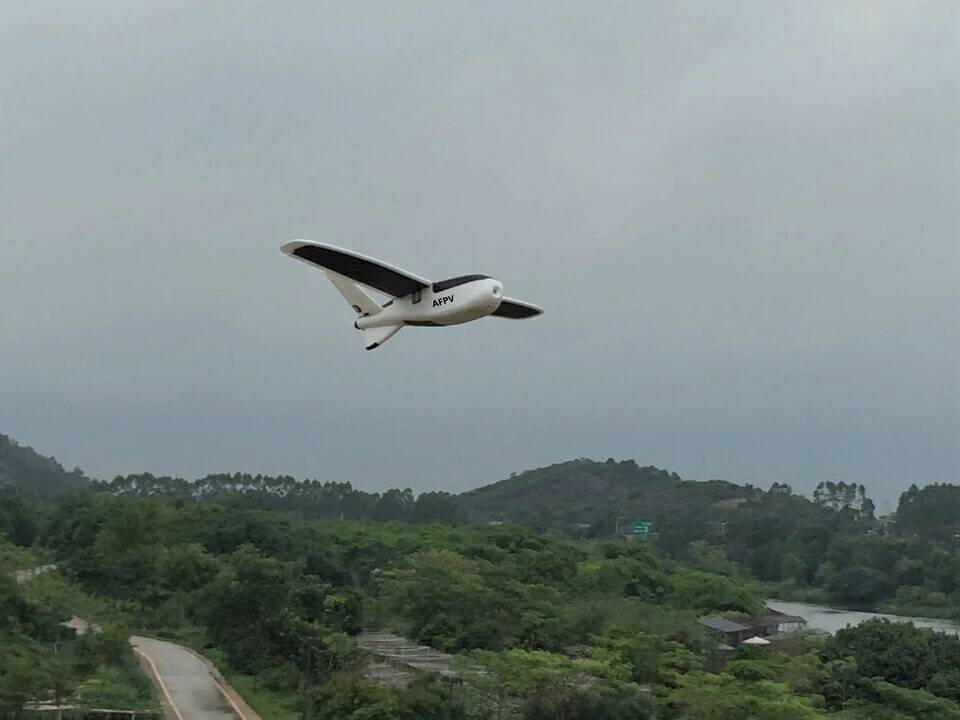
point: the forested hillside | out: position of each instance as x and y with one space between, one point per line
588 498
32 475
563 618
541 627
828 548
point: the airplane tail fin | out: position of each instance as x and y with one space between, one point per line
364 306
362 303
375 337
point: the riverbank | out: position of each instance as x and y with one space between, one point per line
790 592
929 611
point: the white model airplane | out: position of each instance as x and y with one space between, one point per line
416 301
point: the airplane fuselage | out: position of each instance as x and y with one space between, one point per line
416 300
449 302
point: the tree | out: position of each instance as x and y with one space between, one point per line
23 677
885 700
858 586
932 512
442 595
346 698
17 523
61 680
698 590
243 604
898 653
540 685
946 684
707 696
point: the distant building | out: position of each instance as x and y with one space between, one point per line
887 523
769 626
80 626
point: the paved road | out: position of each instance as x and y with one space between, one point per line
189 686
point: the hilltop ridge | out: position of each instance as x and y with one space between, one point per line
589 497
30 474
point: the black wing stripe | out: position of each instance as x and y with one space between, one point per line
515 311
360 270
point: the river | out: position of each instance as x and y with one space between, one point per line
822 617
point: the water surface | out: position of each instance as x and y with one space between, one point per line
830 619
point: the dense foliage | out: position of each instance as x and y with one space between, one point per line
308 498
542 626
42 659
548 613
932 512
829 548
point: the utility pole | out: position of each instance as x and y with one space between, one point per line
307 709
449 708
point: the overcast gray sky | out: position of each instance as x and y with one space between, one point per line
741 219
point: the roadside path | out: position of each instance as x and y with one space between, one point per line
24 575
190 686
187 683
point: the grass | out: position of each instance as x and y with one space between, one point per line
270 704
791 592
193 636
121 683
922 611
13 557
55 591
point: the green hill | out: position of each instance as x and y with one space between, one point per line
33 476
587 497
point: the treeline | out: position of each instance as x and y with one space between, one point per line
578 498
930 512
309 499
841 554
828 548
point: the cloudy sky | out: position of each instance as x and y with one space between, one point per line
741 219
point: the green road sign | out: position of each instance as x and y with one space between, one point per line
642 527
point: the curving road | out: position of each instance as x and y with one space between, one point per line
189 689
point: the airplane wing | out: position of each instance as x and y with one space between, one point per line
516 310
359 268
